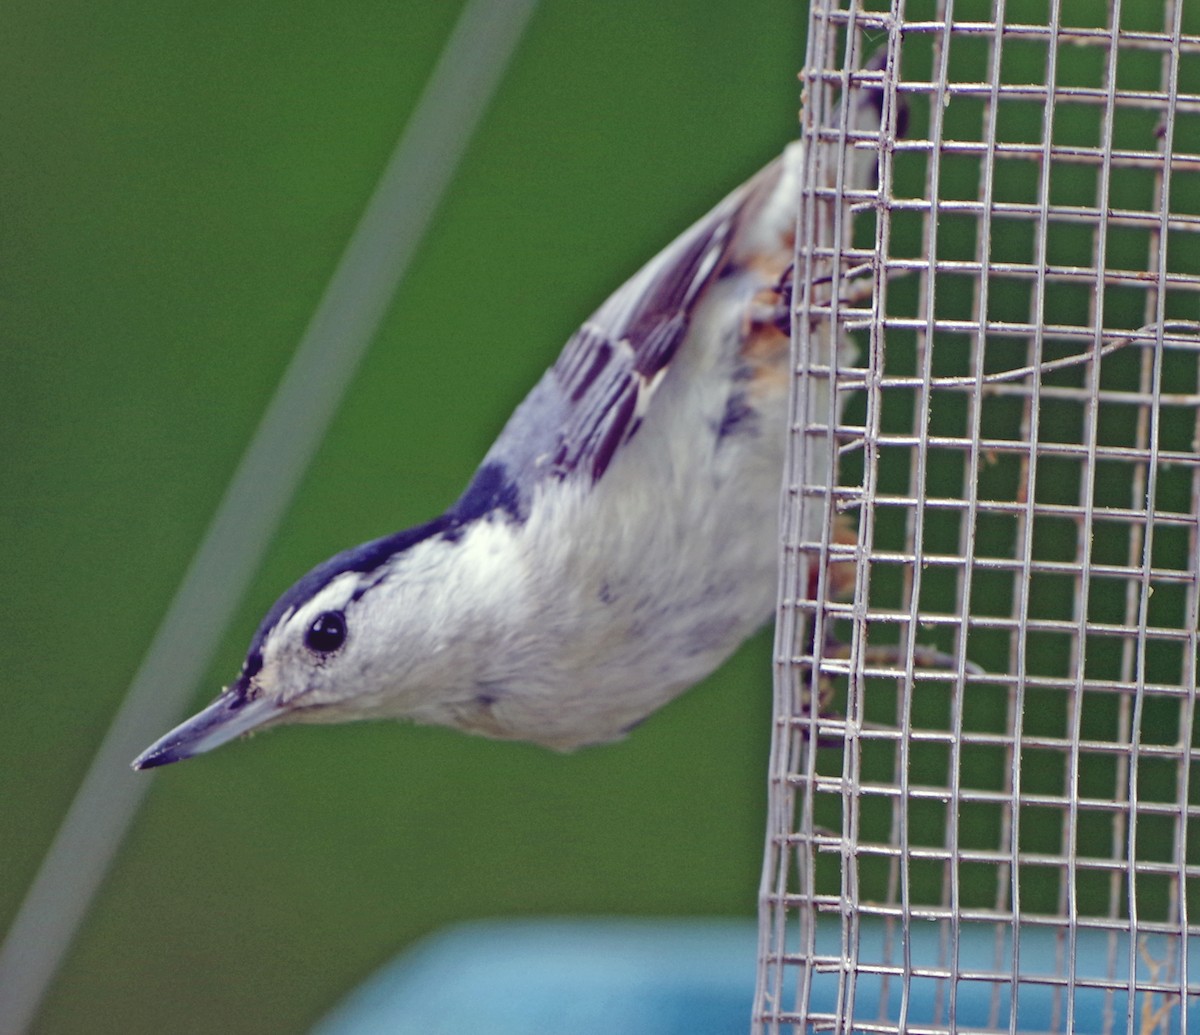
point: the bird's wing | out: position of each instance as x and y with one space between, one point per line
610 369
593 399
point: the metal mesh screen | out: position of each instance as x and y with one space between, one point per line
985 785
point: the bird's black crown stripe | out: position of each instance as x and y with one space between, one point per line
364 558
490 491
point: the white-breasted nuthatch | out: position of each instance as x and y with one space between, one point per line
616 545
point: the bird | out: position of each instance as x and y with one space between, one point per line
617 543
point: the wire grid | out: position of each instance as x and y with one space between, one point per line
985 786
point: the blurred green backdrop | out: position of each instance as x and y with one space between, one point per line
177 182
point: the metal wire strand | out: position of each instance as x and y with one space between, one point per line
359 291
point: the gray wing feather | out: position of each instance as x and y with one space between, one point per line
593 399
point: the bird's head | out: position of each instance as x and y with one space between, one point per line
366 634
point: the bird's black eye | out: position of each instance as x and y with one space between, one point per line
327 633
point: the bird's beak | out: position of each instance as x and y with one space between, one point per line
229 716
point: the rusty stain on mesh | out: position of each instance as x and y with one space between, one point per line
985 774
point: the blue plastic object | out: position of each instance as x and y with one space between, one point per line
562 977
696 977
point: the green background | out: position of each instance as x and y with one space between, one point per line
177 182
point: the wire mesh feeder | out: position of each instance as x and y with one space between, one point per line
985 796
